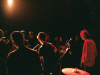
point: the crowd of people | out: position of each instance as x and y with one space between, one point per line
38 54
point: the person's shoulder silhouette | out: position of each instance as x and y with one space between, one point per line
22 61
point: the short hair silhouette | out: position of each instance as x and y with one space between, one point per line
42 36
17 37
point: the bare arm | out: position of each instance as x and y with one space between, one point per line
41 57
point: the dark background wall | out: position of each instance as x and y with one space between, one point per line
61 17
67 16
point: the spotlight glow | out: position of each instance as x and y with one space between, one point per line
10 2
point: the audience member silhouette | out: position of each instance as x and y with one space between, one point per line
47 52
22 61
77 51
3 46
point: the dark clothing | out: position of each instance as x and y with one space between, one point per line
90 70
77 53
49 56
57 44
32 43
26 43
23 62
3 50
3 56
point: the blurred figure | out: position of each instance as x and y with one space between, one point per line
25 42
60 40
6 34
3 53
48 37
89 52
1 33
22 61
12 46
56 42
77 51
77 38
3 46
67 60
2 38
61 45
32 40
47 52
23 34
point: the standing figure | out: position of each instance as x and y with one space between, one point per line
77 51
49 37
22 61
32 40
47 52
3 46
89 52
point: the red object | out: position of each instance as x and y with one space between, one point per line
89 53
82 33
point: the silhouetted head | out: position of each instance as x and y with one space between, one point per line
77 38
17 37
41 37
56 38
31 34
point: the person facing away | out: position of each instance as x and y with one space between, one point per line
47 52
22 61
89 52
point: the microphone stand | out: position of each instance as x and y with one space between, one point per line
59 62
66 49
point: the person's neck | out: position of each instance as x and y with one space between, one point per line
86 39
43 42
20 45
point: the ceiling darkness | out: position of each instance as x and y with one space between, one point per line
69 16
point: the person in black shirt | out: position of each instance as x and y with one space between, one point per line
3 46
77 51
47 52
22 61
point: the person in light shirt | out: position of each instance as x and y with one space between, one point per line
89 52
